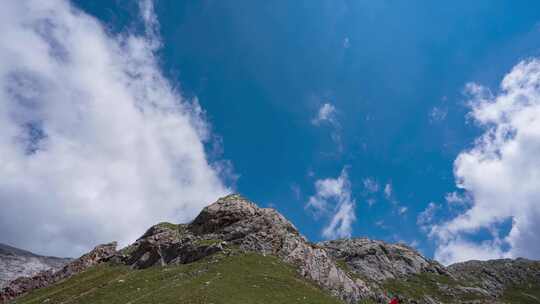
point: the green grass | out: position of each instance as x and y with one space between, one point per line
342 264
207 242
525 294
168 225
427 284
245 278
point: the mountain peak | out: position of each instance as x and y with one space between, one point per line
235 213
224 212
352 270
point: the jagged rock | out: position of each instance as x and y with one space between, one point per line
167 243
99 254
222 214
352 270
16 263
376 261
23 285
495 275
380 261
234 221
155 247
264 230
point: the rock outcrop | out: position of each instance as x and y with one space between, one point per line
234 222
352 270
377 261
42 279
380 261
495 276
16 263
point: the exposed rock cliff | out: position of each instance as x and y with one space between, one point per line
404 271
380 261
16 263
497 275
356 270
234 222
45 278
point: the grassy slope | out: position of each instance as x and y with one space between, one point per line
416 287
243 278
527 294
246 278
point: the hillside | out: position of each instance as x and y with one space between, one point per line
15 262
236 252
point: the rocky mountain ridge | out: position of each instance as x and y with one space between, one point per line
379 260
355 270
15 262
495 276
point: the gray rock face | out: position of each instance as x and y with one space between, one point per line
234 221
352 270
45 278
376 262
495 275
16 263
165 244
380 261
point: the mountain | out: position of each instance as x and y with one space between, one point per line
236 252
16 263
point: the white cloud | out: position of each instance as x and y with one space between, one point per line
370 185
326 116
333 198
95 144
501 173
454 198
413 244
381 224
346 42
402 210
437 114
388 191
326 113
458 250
426 217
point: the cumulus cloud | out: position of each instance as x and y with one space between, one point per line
500 174
95 144
333 198
458 250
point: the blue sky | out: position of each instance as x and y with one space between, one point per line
262 70
390 76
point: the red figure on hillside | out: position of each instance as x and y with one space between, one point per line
394 301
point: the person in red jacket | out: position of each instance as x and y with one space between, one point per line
394 300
